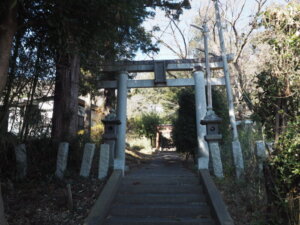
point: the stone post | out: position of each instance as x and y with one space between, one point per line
21 159
110 135
62 159
200 103
87 159
103 161
261 155
119 163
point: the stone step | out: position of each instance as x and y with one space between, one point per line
163 168
135 180
158 221
161 198
162 192
160 210
185 188
165 174
162 172
159 175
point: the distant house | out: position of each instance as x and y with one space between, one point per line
42 112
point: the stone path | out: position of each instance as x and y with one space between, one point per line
161 192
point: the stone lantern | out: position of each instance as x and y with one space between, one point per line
110 134
213 136
212 122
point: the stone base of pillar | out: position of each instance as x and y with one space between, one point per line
203 163
238 158
119 164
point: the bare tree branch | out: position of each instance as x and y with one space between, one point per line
210 53
183 38
181 53
176 41
168 46
260 5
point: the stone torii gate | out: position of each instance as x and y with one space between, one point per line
160 67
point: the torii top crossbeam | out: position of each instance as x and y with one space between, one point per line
159 67
170 65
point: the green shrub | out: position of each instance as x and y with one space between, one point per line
146 124
284 174
184 132
285 160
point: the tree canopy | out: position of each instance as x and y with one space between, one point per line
70 35
279 83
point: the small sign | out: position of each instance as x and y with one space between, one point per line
160 72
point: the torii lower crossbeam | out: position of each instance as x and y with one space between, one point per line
182 82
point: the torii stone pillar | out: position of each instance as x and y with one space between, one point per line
200 103
119 163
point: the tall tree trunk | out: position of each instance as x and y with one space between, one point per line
6 101
29 105
241 84
8 27
110 99
29 109
65 113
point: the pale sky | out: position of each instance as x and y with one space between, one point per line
186 19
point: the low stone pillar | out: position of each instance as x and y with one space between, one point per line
110 134
87 159
21 159
238 158
216 159
62 159
261 155
103 161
